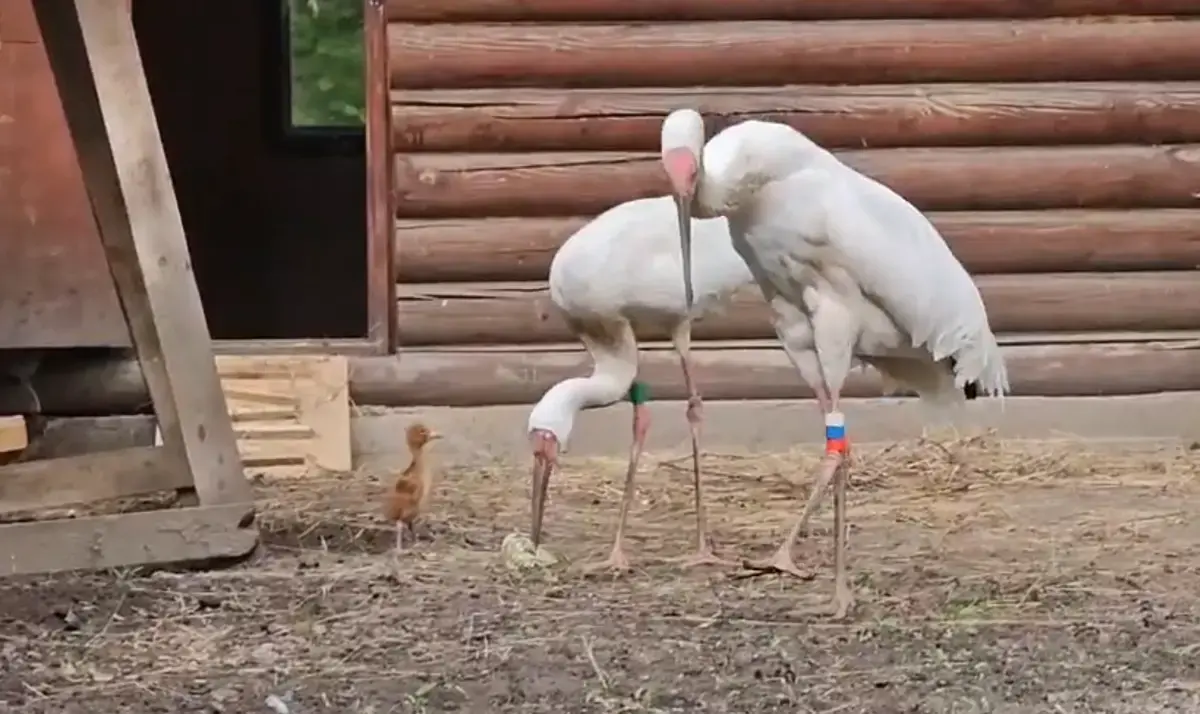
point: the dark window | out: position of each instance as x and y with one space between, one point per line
325 87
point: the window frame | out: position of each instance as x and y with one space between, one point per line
282 134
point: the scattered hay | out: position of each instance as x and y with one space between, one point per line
958 532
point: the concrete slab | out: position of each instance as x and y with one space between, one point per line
486 434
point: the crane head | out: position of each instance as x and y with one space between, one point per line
682 147
545 459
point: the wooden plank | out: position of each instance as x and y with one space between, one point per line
515 313
723 10
257 454
876 116
1008 178
257 397
77 436
326 410
94 54
72 480
176 535
314 429
13 434
683 54
17 23
381 288
1054 241
433 378
57 290
267 432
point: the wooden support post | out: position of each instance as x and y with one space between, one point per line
93 52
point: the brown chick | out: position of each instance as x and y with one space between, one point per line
409 496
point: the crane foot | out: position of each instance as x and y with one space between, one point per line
704 556
780 564
843 605
616 563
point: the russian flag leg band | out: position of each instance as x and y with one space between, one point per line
835 434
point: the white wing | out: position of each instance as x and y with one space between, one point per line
900 260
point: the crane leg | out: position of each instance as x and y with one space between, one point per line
833 468
641 426
843 597
695 415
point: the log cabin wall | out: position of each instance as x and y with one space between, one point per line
1055 144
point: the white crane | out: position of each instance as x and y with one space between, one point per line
620 271
872 277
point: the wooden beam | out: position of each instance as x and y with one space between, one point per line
1009 178
723 10
17 23
13 434
515 374
522 313
74 480
79 436
174 535
381 289
1055 241
94 54
433 377
875 116
682 54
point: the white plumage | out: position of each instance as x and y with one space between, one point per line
870 274
624 269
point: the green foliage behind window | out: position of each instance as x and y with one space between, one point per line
328 87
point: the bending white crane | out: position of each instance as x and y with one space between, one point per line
872 277
620 271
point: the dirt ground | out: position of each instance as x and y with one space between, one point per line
990 578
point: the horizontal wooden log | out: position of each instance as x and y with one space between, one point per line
680 54
522 313
516 249
754 370
836 117
945 179
419 378
697 10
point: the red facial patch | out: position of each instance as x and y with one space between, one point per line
681 167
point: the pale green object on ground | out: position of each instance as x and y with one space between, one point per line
519 554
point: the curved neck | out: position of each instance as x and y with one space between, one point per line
739 161
578 393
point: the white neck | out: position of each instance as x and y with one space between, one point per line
740 160
556 410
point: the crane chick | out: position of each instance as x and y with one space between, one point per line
409 496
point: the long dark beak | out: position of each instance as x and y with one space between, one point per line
541 482
683 205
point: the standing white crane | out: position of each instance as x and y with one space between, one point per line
620 271
872 277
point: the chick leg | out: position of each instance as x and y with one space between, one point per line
641 425
400 528
704 551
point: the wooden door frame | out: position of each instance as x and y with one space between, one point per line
381 235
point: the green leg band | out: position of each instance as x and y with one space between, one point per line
639 393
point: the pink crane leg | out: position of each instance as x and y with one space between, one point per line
695 415
641 426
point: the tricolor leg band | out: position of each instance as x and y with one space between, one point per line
835 434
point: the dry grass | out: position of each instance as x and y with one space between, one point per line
1045 556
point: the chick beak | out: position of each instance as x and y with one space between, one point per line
682 167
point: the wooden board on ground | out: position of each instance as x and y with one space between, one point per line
290 413
13 434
